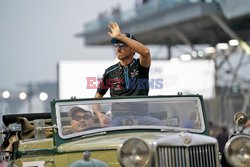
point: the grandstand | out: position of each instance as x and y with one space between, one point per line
173 22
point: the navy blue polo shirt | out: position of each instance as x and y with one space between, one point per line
131 80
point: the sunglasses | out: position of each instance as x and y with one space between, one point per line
6 157
120 45
82 117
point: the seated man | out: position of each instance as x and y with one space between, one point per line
81 118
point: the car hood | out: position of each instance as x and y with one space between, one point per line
110 141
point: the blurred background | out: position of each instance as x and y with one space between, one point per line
194 44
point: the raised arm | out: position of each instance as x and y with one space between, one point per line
143 51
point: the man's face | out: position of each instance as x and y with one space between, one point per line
81 121
123 52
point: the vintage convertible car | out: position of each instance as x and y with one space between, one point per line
154 131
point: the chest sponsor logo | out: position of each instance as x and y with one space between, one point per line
134 73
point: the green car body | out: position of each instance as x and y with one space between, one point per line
168 143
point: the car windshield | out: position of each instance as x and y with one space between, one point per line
77 118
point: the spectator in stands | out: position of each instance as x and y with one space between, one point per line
81 118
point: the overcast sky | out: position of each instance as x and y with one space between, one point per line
36 34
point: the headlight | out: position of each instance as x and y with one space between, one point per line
237 151
134 153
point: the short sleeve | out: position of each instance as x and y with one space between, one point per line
103 87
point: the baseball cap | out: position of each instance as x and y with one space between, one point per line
80 108
116 41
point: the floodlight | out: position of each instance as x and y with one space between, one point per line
43 96
6 94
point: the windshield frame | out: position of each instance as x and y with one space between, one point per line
103 130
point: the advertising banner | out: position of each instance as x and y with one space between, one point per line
80 78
